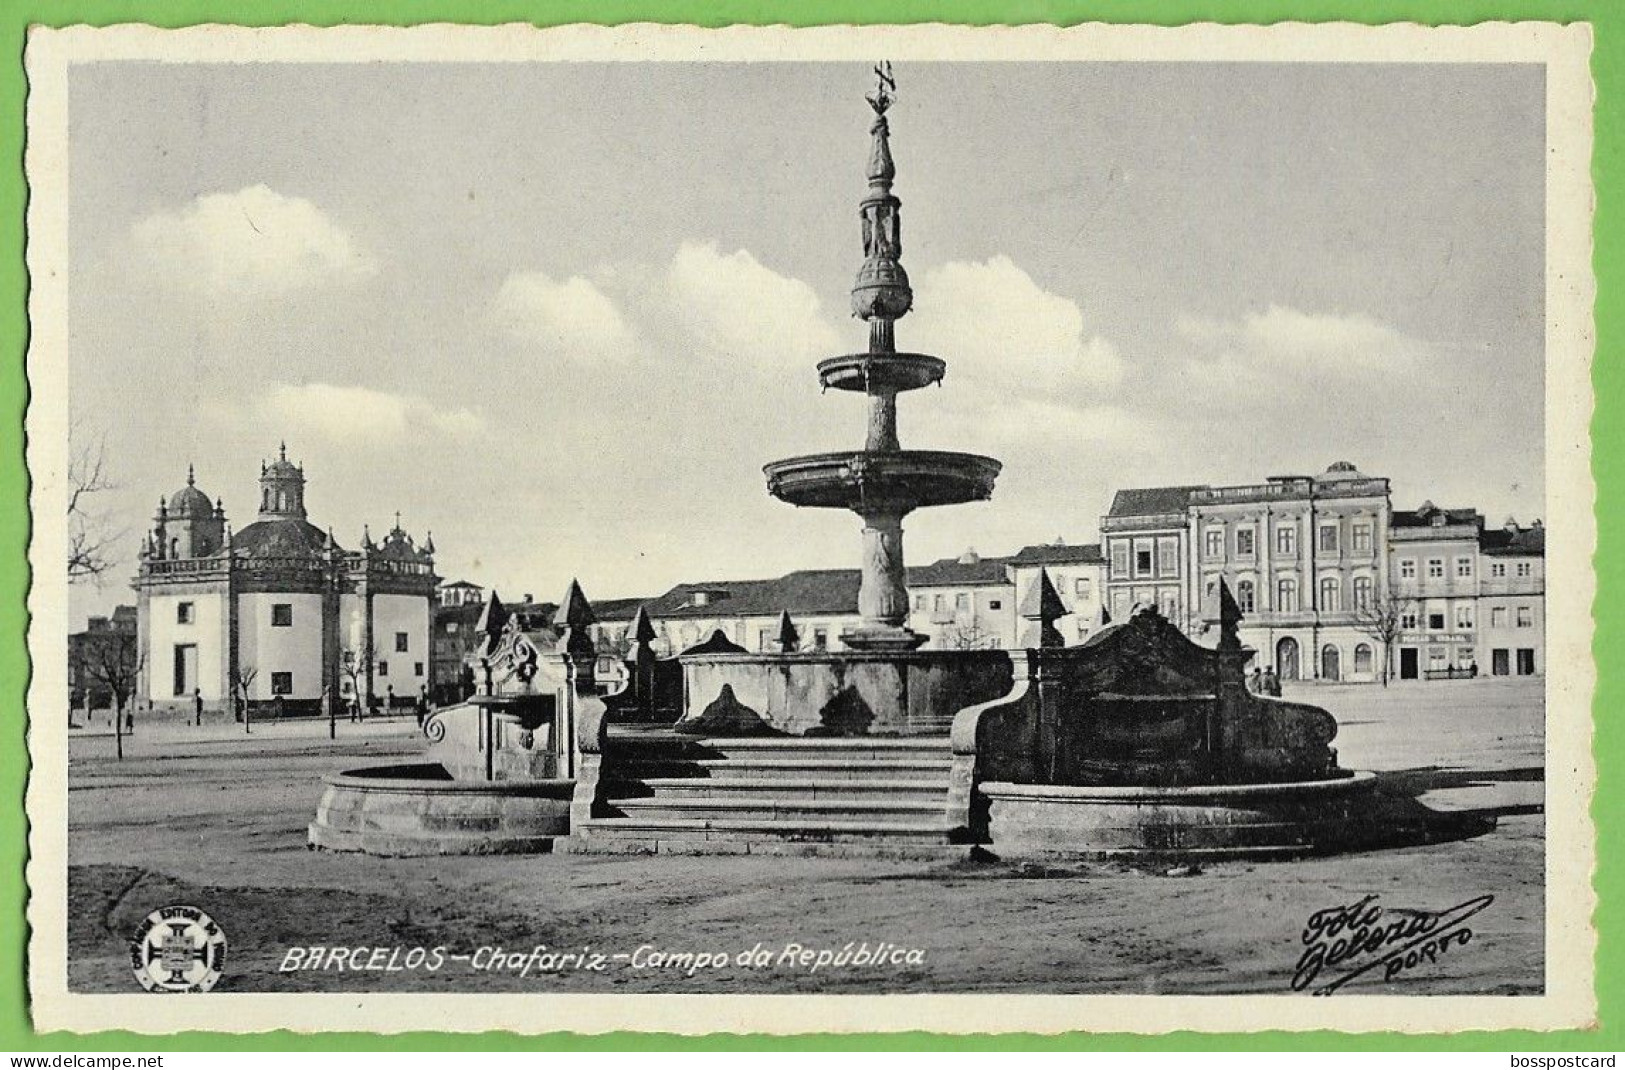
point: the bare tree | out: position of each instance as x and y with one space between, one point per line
971 636
114 661
353 664
242 680
90 537
1383 616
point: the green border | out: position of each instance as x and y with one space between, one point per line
1608 440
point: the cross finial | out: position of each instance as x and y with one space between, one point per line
397 520
282 450
191 479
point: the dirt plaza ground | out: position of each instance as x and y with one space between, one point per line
216 819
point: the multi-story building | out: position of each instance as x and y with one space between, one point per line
1304 556
1146 545
1512 600
1434 564
272 614
1079 576
964 603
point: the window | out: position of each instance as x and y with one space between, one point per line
1435 622
1168 557
1464 568
994 603
282 615
1526 661
1362 593
183 613
282 683
1142 562
1328 538
1362 538
1526 617
1170 604
1244 596
937 603
1286 540
451 627
1498 617
961 601
1286 596
1407 568
1435 568
1407 620
1523 568
401 642
1438 658
383 668
1244 542
820 638
1119 560
1465 656
1464 617
1213 545
919 601
1328 595
1081 588
417 668
1498 569
1362 658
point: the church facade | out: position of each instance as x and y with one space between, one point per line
277 615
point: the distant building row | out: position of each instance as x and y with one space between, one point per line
1334 583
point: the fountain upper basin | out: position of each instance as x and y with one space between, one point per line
900 479
875 372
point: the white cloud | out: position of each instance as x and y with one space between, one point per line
574 317
253 242
739 310
1282 339
360 415
990 320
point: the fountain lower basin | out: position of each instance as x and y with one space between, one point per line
900 479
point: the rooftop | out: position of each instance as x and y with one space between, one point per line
1152 501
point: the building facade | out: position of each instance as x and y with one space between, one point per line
1333 583
277 615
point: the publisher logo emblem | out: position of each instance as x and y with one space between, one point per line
178 949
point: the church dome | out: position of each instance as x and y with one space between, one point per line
1341 470
189 500
280 538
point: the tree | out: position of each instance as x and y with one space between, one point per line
114 661
242 679
971 636
1382 616
353 664
90 538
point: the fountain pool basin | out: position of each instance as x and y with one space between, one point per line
408 810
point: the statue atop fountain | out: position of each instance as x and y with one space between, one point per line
883 482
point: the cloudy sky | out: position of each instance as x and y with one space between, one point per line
561 314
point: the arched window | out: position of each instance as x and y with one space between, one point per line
1329 667
1362 653
1328 595
1244 595
1362 598
1286 595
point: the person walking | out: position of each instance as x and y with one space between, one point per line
197 708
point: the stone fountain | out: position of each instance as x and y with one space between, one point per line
1140 742
883 482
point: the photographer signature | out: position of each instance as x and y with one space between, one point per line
1364 936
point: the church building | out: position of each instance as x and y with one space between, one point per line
277 615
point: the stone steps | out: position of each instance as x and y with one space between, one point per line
644 835
681 787
671 793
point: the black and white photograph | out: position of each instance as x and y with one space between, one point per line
1035 519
